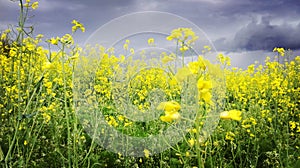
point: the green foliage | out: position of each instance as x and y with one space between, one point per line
39 126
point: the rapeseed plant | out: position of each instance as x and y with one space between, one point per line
38 125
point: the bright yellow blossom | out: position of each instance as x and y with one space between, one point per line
167 59
171 109
35 5
132 51
184 48
229 136
204 90
25 142
169 106
231 115
194 67
67 39
125 46
77 25
280 51
54 41
147 153
191 141
182 74
150 41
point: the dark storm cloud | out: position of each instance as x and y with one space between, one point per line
267 24
264 36
277 8
53 18
230 23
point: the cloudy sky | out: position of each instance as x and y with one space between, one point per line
245 29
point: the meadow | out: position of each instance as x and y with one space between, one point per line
50 99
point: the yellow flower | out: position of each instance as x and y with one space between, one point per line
147 153
47 65
35 5
207 48
67 39
175 34
184 48
204 87
54 41
120 117
167 59
183 73
191 142
229 136
170 117
194 67
169 106
231 115
77 25
206 96
150 41
127 124
221 58
25 5
112 121
188 32
171 109
280 51
292 125
183 35
25 142
132 51
125 46
46 117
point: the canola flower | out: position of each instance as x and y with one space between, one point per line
147 153
269 92
280 51
230 136
182 74
150 41
35 5
191 142
28 4
77 25
167 59
231 115
25 142
185 37
171 109
204 90
182 35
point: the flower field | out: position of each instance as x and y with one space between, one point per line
50 99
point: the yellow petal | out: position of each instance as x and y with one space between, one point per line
235 115
166 118
225 115
183 73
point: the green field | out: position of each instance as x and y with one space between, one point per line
50 99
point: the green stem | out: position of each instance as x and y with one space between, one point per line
20 35
199 157
66 111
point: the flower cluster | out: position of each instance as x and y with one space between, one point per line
171 111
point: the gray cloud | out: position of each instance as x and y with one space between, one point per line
265 36
230 24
